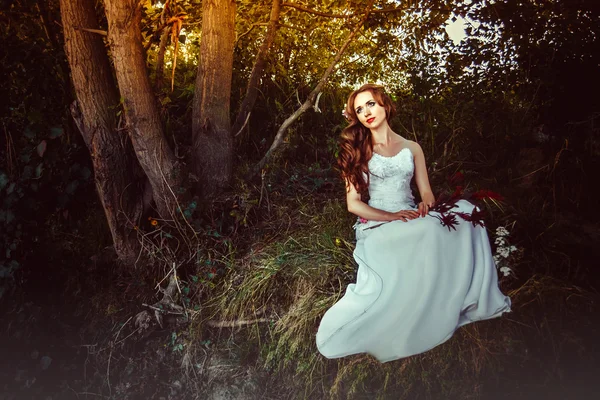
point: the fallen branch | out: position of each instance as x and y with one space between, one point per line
166 305
162 310
235 324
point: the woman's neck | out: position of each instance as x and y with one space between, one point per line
383 135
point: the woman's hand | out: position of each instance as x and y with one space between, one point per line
426 204
423 209
405 215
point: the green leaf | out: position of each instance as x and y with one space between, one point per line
71 187
29 134
10 217
56 132
27 172
41 148
3 180
39 169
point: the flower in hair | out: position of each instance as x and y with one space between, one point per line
346 115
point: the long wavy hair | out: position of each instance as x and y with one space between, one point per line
356 143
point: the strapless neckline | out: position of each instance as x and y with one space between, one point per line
395 155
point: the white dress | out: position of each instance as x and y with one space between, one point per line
417 282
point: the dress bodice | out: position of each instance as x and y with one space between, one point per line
389 181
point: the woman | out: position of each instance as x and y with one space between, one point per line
417 281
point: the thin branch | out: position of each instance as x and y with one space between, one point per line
250 30
310 100
258 69
235 324
162 310
98 31
314 12
243 126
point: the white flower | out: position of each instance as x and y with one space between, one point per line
513 248
500 241
506 271
501 231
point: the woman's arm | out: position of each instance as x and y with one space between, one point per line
422 179
357 207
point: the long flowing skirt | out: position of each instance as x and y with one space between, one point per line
417 282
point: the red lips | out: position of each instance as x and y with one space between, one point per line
371 120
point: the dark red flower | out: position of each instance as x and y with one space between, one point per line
448 220
457 178
476 217
457 192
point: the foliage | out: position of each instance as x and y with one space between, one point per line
282 245
42 165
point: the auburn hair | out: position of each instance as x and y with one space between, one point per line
356 143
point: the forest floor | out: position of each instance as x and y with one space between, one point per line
69 331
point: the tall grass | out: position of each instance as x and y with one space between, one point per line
300 263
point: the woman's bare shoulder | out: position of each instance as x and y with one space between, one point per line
413 146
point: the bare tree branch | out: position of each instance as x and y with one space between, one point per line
314 12
98 31
309 101
257 70
250 30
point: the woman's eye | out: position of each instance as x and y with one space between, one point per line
371 104
359 110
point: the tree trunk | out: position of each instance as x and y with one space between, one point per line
211 126
257 70
141 110
116 171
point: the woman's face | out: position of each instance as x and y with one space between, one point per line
368 111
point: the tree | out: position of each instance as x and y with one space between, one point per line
211 153
211 126
141 111
118 177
